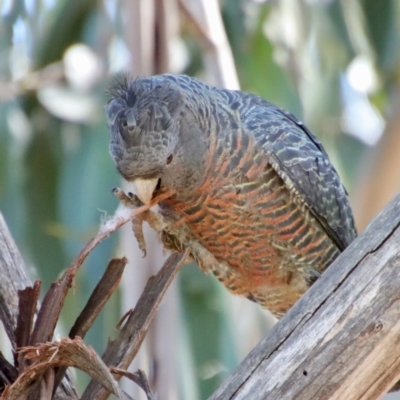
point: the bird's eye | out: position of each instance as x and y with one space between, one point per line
169 159
124 123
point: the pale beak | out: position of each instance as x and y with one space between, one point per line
145 189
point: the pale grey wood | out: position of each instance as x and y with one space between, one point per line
13 277
342 339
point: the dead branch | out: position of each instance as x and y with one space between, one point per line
8 373
66 352
340 340
14 279
138 377
121 351
12 268
28 301
114 223
102 292
42 358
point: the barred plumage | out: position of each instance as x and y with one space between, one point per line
252 183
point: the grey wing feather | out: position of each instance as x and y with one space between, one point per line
301 161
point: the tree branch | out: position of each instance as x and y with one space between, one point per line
13 278
102 292
340 340
121 351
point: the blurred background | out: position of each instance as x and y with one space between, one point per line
334 64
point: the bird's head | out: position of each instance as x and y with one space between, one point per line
150 135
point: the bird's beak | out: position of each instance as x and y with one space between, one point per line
145 189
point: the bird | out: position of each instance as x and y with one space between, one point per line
251 183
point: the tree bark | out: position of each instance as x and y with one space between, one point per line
342 339
12 279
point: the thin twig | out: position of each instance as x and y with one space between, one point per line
53 301
121 351
100 295
27 304
66 352
139 377
13 278
102 292
117 222
54 298
8 373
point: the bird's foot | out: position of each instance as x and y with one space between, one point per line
128 200
137 229
174 239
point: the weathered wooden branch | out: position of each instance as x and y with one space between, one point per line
121 351
100 295
342 339
14 279
18 304
65 352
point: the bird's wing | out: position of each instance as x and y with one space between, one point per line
301 161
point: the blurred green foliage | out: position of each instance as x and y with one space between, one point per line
55 172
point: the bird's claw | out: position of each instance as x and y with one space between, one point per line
129 200
137 228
